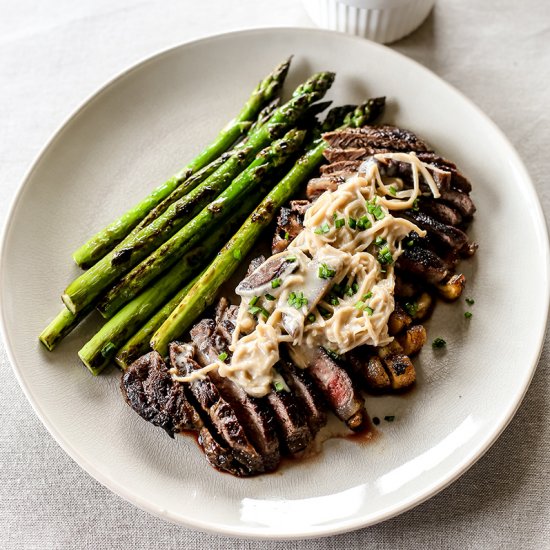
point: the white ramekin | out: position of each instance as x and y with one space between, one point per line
379 20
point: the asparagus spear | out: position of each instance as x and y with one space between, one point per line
63 323
89 285
201 175
99 350
203 293
199 227
107 238
138 344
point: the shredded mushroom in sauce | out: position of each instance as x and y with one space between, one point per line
339 291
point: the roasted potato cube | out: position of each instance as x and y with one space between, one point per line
452 289
399 320
423 305
376 378
400 371
412 340
391 349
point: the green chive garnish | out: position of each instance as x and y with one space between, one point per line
270 297
326 272
222 356
470 301
439 343
352 223
468 314
276 283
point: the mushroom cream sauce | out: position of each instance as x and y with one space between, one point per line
333 286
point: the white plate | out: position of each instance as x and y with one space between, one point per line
138 131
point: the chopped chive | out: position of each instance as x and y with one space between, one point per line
339 223
468 314
411 308
367 295
389 418
393 190
290 259
311 318
333 300
415 205
410 243
364 223
297 300
254 301
379 241
276 283
359 305
222 356
352 223
322 229
439 343
254 310
349 291
287 235
270 297
369 310
470 301
326 272
354 287
384 256
278 385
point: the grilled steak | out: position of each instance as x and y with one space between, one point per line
333 382
285 409
149 389
218 411
254 414
301 383
376 137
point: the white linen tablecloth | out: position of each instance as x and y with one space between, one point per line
55 53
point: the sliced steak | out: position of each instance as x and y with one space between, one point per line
218 411
379 137
317 186
291 420
219 455
440 211
333 382
423 264
335 154
343 166
149 389
254 414
459 201
302 385
458 180
449 236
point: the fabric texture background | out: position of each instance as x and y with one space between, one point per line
55 53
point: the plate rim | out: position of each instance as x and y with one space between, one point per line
340 526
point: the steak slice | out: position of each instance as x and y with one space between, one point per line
340 167
440 211
449 236
317 186
423 264
149 389
382 136
460 201
219 456
291 420
302 385
218 411
458 180
253 413
333 382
